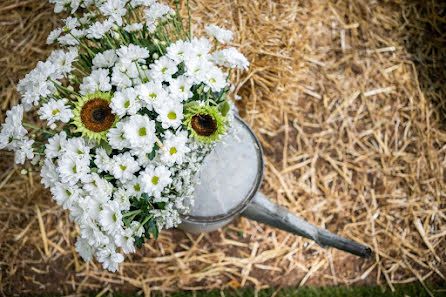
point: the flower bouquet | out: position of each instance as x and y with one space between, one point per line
131 104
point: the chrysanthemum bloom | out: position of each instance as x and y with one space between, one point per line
93 116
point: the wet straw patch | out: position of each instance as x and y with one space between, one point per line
344 101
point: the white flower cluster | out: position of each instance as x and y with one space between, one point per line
122 182
13 135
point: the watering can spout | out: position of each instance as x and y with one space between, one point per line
265 211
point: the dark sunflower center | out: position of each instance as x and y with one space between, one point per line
99 115
204 124
96 115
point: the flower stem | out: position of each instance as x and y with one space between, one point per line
63 88
37 128
143 222
216 44
131 213
80 70
189 17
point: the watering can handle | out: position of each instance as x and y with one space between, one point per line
263 210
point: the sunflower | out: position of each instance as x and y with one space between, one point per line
93 116
205 123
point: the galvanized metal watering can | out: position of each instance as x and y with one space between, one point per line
230 180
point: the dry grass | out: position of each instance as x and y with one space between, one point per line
354 142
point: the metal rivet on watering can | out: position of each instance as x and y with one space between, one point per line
228 186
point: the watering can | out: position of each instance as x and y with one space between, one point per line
228 185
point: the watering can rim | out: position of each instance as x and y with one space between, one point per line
242 206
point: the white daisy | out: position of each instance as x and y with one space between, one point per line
71 23
177 50
133 53
80 209
65 194
142 156
115 9
155 179
230 57
170 114
99 188
215 79
174 148
98 29
13 132
136 3
151 92
219 33
77 147
85 250
49 174
102 160
56 110
124 166
24 150
116 137
110 217
125 240
122 198
71 38
125 102
73 169
134 187
35 85
98 80
197 69
157 11
198 48
163 69
109 258
53 36
105 60
140 132
55 145
135 27
94 236
179 88
119 77
64 60
88 208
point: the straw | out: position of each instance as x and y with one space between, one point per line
347 98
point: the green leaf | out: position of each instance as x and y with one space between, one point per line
152 154
200 89
161 205
152 228
139 241
225 108
107 147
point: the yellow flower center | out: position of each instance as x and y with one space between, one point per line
172 115
155 180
